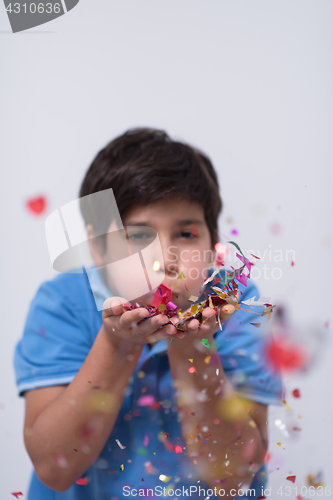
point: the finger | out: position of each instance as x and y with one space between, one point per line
155 323
130 318
113 306
227 310
192 326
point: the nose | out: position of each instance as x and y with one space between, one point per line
170 257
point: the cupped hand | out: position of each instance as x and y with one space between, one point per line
135 325
209 323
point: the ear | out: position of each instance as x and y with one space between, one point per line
96 250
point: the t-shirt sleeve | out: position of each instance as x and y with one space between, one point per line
55 339
241 347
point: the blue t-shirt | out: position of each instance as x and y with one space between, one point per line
62 324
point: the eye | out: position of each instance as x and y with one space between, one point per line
187 234
137 236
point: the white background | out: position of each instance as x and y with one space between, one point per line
250 83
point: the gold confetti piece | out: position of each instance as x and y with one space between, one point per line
164 478
279 444
194 308
195 462
162 307
156 266
285 404
190 360
193 298
207 359
121 468
237 307
210 302
181 276
141 374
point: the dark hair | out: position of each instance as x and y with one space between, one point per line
144 165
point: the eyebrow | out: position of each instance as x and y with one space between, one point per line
179 222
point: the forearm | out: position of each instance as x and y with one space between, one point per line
223 441
70 433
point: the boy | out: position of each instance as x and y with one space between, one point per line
113 407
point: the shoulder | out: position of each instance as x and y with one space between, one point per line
69 289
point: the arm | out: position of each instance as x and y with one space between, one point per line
81 416
67 427
224 436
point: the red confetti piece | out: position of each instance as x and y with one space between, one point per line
178 449
83 481
261 496
155 406
17 494
285 355
292 263
255 256
291 478
192 369
37 205
296 393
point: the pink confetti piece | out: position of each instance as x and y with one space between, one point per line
170 305
146 400
275 229
145 440
234 232
17 494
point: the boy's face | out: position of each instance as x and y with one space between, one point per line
185 242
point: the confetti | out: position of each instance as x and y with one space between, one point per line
164 478
192 298
234 232
178 449
257 325
83 481
146 400
170 305
17 494
156 265
285 355
285 404
296 393
120 445
292 263
291 478
37 206
279 444
207 359
181 276
121 468
192 369
143 451
205 342
316 480
275 229
191 360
